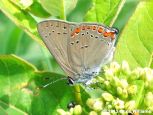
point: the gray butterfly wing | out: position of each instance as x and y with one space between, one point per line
55 35
89 49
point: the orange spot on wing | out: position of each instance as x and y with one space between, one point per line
83 27
109 34
94 28
100 29
88 27
112 35
77 30
106 34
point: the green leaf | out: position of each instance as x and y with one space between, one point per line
135 42
37 10
19 43
34 7
21 18
151 61
103 11
124 15
23 4
78 13
58 8
21 92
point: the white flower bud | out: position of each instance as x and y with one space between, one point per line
149 99
105 113
97 106
77 110
118 104
61 112
93 113
131 105
115 67
124 83
90 102
125 67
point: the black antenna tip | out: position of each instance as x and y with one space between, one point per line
71 105
116 30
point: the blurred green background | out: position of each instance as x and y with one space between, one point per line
15 41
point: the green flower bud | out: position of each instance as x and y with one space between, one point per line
125 94
71 111
106 83
67 113
90 102
116 81
109 107
149 99
107 96
124 84
119 90
131 105
109 74
115 67
118 104
125 67
77 110
149 74
100 79
97 106
61 112
93 113
105 113
132 89
136 73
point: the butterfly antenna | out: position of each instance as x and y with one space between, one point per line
60 79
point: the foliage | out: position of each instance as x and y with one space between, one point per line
123 89
20 79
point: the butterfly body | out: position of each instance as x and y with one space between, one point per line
80 49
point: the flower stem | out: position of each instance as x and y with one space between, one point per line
78 94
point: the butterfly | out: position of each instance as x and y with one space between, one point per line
81 49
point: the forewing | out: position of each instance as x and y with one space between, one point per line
55 35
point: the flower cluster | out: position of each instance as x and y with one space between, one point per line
123 91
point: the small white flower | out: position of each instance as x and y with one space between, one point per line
124 83
114 66
125 67
148 74
119 104
130 105
97 106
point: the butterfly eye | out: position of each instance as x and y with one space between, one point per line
115 30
